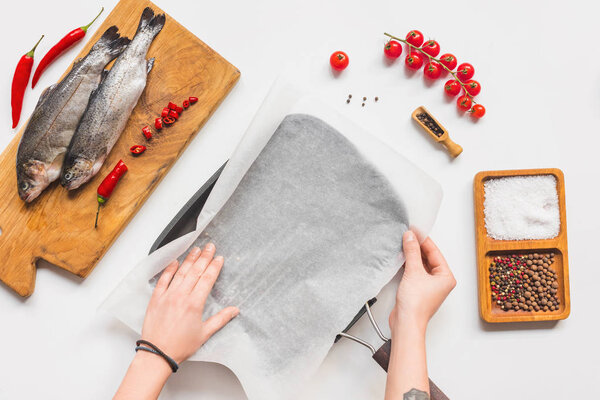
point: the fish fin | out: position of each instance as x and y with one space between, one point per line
149 65
151 23
45 94
111 42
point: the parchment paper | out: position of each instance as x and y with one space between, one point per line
309 215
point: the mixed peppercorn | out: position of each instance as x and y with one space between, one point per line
524 282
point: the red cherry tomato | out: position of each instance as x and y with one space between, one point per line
448 60
465 72
452 87
392 49
478 111
433 70
464 103
339 60
473 87
431 47
415 38
414 61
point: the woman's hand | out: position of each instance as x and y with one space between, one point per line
173 320
174 323
426 282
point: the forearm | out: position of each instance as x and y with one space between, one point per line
145 378
408 364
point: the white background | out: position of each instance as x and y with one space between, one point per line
539 69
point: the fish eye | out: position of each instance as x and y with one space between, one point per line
24 186
68 176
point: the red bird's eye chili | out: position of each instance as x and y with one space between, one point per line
19 83
172 106
186 103
173 114
137 149
59 48
147 132
108 185
165 112
168 120
179 110
158 123
193 100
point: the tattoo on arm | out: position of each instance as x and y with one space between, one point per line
415 394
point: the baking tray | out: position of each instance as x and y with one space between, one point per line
488 248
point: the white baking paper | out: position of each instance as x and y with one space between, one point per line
239 349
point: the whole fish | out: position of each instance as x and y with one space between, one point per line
110 106
49 131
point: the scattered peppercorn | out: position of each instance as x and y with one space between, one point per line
348 101
349 96
364 99
376 98
363 104
524 282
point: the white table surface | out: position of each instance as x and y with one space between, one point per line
539 68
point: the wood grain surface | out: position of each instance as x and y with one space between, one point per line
488 248
59 226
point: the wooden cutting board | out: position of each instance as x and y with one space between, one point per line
59 226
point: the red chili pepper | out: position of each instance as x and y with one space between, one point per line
186 103
172 105
165 112
19 83
193 100
147 132
158 123
108 185
168 120
173 114
59 48
179 110
137 149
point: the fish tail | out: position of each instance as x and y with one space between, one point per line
111 43
151 23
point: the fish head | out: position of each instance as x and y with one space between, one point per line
76 173
32 179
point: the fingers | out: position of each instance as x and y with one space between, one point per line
190 259
196 270
207 280
165 279
434 257
412 252
219 320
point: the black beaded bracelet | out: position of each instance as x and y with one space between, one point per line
157 351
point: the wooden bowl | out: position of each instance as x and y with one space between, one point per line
488 248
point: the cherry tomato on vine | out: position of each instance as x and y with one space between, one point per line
478 111
392 49
465 72
431 47
448 60
414 61
452 87
415 38
339 60
432 70
473 87
464 103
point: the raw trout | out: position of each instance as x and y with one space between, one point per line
110 106
49 131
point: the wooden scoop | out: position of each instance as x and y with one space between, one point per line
436 130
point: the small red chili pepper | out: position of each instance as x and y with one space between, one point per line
193 100
59 48
173 114
108 185
19 83
158 123
137 149
168 120
147 132
179 110
165 112
186 103
172 105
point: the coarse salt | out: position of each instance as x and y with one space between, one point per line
521 207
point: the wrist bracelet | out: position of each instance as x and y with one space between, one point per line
153 349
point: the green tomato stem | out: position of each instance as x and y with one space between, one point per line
464 87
